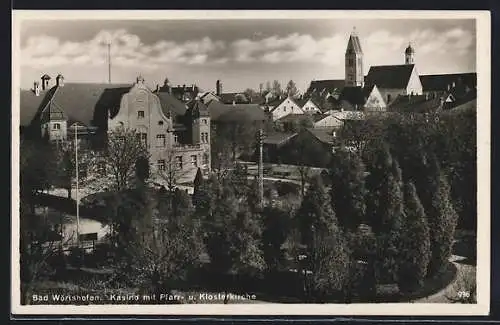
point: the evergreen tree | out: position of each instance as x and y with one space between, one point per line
198 188
277 225
315 211
347 193
415 243
442 218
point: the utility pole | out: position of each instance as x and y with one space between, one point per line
109 62
77 196
260 167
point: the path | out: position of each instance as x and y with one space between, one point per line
451 289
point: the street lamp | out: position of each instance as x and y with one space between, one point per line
84 131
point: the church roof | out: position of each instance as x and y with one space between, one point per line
328 85
235 113
390 76
415 104
354 95
440 82
354 44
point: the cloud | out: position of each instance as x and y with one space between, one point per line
128 50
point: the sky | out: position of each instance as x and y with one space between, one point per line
241 53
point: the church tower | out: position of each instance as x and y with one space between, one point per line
354 75
409 55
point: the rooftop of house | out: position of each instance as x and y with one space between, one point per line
277 138
328 85
441 82
170 105
389 76
415 104
238 112
229 98
324 135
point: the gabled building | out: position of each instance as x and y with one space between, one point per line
310 106
394 80
284 107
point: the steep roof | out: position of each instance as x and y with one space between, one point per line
354 95
328 85
440 82
170 105
280 101
228 98
354 45
390 76
348 115
30 104
197 108
87 103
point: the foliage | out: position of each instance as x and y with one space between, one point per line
277 225
291 89
315 212
415 243
347 193
442 218
123 149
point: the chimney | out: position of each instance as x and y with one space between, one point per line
45 81
218 88
234 102
449 86
36 88
192 87
60 80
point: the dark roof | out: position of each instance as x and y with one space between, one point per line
294 117
470 105
328 85
324 135
354 44
30 104
197 108
389 76
440 82
170 105
257 99
87 103
415 104
277 137
353 95
239 112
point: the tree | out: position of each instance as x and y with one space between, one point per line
277 225
291 89
123 149
385 205
329 262
198 187
268 86
276 88
415 243
250 93
166 243
239 179
347 193
315 212
442 218
172 172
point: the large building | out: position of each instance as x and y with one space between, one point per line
170 130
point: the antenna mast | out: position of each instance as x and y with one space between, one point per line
109 62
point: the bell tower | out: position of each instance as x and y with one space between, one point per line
354 75
409 55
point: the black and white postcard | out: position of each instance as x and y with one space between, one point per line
251 163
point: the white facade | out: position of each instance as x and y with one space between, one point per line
375 101
328 121
310 107
286 107
414 86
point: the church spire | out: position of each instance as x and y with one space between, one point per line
409 54
354 75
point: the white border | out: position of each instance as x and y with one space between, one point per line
483 58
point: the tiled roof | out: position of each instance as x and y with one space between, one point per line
324 135
239 112
348 115
170 105
278 137
30 104
354 95
328 85
389 76
470 105
197 108
415 104
440 82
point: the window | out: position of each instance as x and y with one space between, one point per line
205 159
140 114
160 140
176 138
204 121
388 98
204 137
143 137
178 162
161 164
194 161
56 126
160 123
284 109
